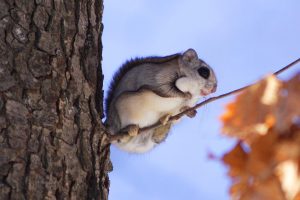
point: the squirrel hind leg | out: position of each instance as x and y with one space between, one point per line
160 133
164 119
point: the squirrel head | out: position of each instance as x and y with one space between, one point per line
199 78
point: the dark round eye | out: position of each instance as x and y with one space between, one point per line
204 72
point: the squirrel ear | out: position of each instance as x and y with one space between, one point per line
189 56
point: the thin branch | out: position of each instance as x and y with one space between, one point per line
181 114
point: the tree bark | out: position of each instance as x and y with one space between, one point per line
52 141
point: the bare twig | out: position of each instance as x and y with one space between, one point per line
181 114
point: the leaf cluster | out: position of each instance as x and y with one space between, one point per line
265 162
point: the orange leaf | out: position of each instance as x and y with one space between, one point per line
253 110
288 111
236 159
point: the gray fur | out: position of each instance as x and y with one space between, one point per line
156 73
128 66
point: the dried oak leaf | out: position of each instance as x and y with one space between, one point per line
288 150
288 110
287 157
261 162
270 157
267 117
267 189
251 113
251 166
297 197
288 173
236 159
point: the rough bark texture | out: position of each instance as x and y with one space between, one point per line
52 144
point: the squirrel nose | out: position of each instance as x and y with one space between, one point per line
214 89
204 72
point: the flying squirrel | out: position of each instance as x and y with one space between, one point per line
151 89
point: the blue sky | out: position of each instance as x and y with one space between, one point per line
242 41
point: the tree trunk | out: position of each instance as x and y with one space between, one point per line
52 143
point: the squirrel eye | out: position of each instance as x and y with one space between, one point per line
204 72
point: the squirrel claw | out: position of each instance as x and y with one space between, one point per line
191 113
164 120
132 130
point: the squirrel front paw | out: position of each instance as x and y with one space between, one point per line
191 113
188 95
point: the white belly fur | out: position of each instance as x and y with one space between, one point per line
144 109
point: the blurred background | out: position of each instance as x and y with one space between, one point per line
242 40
